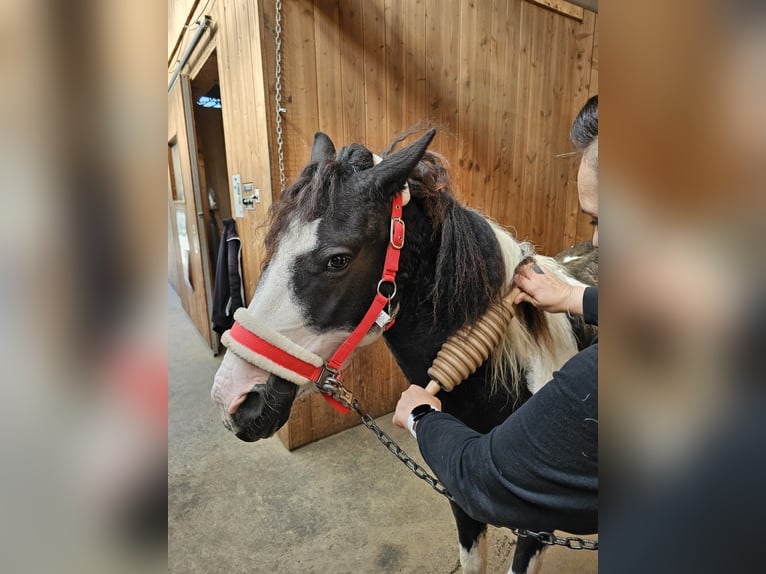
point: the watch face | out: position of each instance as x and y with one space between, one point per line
420 410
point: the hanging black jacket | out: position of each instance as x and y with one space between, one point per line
229 293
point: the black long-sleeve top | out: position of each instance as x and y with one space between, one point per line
538 469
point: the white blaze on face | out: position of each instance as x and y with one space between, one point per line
274 302
274 305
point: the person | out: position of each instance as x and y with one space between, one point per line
538 469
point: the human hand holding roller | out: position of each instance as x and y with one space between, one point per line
467 349
461 354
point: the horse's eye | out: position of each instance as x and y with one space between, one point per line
338 262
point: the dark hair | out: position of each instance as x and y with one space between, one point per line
585 127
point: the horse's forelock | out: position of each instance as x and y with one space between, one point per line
317 192
354 158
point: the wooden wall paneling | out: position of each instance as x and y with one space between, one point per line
466 98
193 298
506 187
395 62
442 71
259 156
490 184
563 184
266 9
260 144
573 100
556 105
299 85
377 136
512 213
550 209
532 140
327 34
244 107
563 7
414 70
352 55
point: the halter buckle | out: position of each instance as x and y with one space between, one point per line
327 379
329 384
397 233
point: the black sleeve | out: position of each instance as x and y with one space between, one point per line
235 275
590 305
537 470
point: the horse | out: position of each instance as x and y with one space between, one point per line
329 236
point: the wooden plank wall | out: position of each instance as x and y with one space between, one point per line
244 107
192 297
503 79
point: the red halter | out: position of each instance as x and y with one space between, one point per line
318 375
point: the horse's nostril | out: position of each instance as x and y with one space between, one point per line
251 408
263 410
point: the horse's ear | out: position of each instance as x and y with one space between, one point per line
391 174
323 147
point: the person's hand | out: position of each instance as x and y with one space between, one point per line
411 398
546 291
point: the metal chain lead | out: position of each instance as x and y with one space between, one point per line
335 388
278 92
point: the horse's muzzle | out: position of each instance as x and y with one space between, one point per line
264 411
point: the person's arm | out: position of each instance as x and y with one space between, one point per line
537 470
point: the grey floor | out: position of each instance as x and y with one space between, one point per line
340 505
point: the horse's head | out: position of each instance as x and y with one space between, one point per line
325 252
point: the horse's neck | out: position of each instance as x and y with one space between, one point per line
423 324
421 329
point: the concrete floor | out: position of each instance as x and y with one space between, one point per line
341 505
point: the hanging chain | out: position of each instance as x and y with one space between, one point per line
550 539
278 92
335 388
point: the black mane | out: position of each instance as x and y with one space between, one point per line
469 272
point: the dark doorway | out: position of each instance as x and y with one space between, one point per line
211 158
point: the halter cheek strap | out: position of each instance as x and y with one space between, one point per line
263 347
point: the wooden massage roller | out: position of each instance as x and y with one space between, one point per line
467 349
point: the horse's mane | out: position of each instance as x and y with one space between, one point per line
465 282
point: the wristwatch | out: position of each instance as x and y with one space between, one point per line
418 413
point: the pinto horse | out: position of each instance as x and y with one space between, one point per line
326 246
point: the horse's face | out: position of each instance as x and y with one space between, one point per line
327 244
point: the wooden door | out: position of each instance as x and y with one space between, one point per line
188 260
